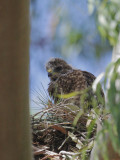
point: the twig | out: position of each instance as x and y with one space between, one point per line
63 143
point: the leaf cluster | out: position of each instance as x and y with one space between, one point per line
108 18
111 123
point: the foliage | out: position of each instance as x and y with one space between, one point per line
112 123
108 18
113 102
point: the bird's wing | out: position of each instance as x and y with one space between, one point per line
89 77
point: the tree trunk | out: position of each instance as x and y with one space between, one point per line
15 139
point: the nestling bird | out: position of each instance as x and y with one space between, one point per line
64 79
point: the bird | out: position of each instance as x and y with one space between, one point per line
65 79
77 84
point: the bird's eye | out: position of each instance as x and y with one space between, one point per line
57 69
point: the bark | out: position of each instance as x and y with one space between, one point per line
15 139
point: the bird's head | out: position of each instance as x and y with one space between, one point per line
56 67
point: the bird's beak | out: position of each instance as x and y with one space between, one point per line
49 72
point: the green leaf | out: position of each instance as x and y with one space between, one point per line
77 118
69 95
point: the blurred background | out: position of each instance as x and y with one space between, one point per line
65 29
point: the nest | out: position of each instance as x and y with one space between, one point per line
63 131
